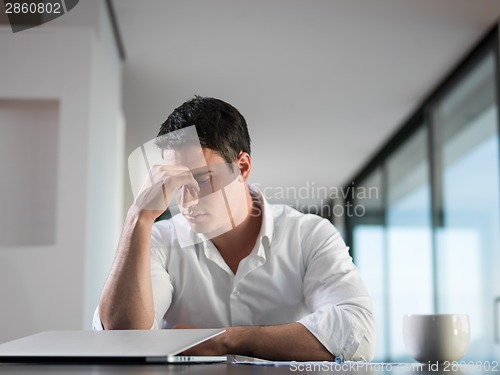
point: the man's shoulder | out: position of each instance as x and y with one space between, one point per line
285 213
312 232
174 232
290 219
163 225
170 224
163 233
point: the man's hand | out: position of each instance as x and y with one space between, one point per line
160 187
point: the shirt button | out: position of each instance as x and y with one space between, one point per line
236 293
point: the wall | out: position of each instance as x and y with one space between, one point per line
56 285
106 165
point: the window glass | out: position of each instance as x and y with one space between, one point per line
368 241
409 237
413 264
468 248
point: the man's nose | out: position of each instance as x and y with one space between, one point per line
189 196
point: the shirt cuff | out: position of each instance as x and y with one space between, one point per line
97 324
337 331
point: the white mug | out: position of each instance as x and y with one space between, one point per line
436 337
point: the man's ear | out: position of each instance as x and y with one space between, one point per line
244 164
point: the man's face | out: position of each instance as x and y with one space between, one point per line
221 203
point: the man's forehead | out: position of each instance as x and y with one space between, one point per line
188 156
192 157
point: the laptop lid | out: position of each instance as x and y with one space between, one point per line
102 346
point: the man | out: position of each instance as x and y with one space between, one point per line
281 282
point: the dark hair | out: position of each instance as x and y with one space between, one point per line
219 125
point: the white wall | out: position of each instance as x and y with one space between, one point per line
106 165
56 286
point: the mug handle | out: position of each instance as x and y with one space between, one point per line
496 310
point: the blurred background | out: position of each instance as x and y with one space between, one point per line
380 115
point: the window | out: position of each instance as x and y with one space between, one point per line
409 237
430 243
369 237
467 235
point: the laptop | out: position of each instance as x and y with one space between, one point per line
120 346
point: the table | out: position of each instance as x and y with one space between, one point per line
235 369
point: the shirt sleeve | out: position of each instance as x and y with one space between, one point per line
96 322
341 318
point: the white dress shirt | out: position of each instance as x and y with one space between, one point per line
299 270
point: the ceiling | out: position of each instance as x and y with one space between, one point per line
322 83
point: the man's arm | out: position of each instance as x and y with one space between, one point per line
341 310
127 299
284 342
